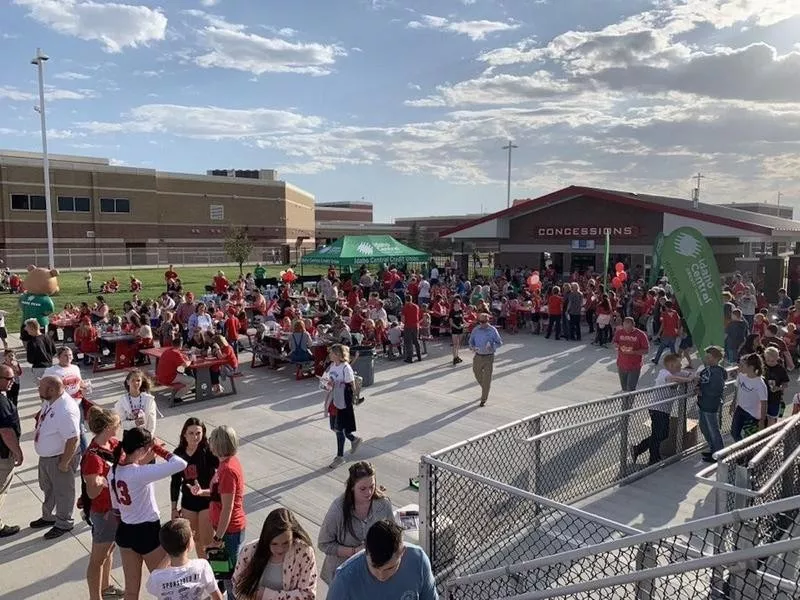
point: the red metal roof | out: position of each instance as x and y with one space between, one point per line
710 213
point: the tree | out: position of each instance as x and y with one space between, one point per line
414 236
238 246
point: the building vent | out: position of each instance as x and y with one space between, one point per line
217 212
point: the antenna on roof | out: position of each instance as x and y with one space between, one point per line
780 195
696 190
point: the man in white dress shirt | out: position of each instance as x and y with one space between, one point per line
56 442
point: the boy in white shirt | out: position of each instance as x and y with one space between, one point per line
185 578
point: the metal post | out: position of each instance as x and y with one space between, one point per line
425 512
39 61
624 423
646 558
682 424
509 147
69 254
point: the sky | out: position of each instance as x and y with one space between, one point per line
408 103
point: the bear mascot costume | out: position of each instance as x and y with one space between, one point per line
35 301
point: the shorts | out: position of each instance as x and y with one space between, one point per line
104 527
776 409
195 504
3 333
142 538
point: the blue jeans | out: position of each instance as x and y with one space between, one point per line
233 541
709 427
665 343
628 379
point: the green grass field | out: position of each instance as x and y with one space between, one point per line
73 287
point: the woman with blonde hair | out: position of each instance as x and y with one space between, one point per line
280 565
96 502
340 401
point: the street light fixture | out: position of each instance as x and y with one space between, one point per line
509 147
39 61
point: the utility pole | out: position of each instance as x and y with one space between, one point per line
509 147
39 61
696 191
780 195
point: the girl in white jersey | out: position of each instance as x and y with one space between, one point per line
133 495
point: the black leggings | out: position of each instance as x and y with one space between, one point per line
554 321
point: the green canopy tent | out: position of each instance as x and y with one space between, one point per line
353 250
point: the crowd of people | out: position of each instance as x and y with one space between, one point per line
119 457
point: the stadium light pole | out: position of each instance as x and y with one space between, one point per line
510 147
39 61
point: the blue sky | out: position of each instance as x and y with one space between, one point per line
408 103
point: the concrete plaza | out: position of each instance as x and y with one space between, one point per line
412 409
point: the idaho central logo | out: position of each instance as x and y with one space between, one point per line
687 245
365 248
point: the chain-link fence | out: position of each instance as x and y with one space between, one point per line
562 456
726 556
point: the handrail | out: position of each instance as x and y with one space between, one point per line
543 413
630 411
785 465
509 489
656 535
749 440
791 422
707 562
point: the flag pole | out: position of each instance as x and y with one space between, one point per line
605 270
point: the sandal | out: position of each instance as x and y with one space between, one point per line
113 591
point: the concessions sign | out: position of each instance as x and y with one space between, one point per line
577 231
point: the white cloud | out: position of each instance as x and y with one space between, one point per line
12 93
230 46
475 30
209 2
115 25
205 122
71 75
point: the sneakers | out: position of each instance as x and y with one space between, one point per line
9 530
55 532
483 402
339 460
355 444
458 360
41 524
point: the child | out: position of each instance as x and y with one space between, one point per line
393 337
777 379
10 360
232 327
659 415
711 390
425 324
86 339
3 332
749 410
184 577
760 324
168 329
368 331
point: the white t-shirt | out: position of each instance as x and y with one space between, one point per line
133 492
424 289
130 407
663 379
57 423
340 374
751 392
70 376
194 581
434 273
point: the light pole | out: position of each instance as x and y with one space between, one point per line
510 147
39 61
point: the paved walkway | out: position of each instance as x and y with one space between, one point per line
287 446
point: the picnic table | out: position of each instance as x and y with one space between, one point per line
124 348
274 349
66 325
201 366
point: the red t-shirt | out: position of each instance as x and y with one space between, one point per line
356 322
410 315
554 305
670 323
229 356
170 275
229 479
232 327
629 343
168 364
220 285
92 464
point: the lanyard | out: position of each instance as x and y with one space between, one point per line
40 421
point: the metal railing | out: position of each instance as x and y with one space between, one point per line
724 556
561 455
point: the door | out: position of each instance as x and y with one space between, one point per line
583 263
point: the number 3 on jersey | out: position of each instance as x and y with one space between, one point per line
123 495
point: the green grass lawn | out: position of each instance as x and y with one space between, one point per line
73 287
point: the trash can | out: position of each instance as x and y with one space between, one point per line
364 365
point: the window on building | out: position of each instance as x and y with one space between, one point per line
217 212
115 205
74 204
26 202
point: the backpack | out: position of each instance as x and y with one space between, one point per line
84 501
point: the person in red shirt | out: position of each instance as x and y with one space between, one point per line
167 369
331 273
170 274
226 509
15 283
357 321
232 328
220 283
413 289
353 296
668 331
410 316
554 311
632 345
96 500
223 351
